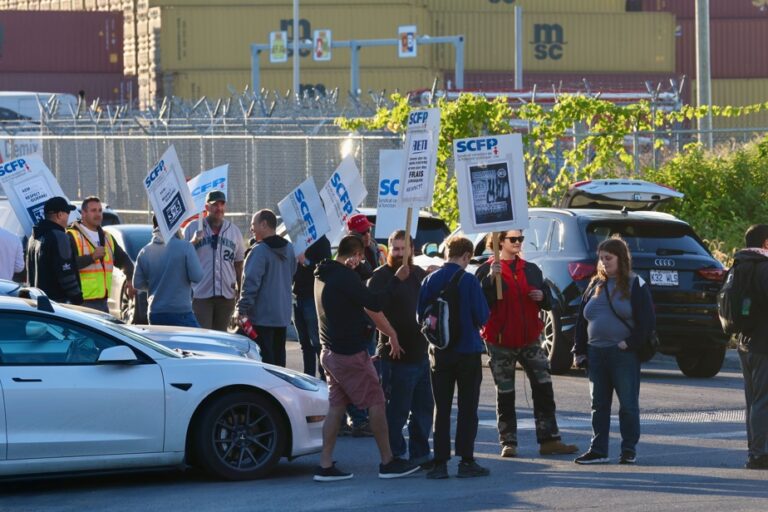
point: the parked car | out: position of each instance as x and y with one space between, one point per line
81 394
666 252
131 237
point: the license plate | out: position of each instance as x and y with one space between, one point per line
664 278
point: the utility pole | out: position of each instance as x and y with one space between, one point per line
296 44
518 47
703 72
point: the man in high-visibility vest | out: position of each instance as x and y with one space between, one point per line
96 255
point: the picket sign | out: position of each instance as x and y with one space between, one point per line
168 194
389 216
207 181
304 216
341 195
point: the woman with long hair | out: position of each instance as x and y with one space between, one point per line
615 317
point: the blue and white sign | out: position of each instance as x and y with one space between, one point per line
341 195
490 174
417 179
168 193
29 183
389 216
208 181
303 215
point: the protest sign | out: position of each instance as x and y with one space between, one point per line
169 194
490 175
278 49
303 215
341 194
322 45
389 216
208 181
417 181
28 184
407 48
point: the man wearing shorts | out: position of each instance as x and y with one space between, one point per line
344 305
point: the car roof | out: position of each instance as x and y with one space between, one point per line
8 303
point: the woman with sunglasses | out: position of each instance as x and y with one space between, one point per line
512 336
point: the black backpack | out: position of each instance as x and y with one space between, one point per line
734 301
440 324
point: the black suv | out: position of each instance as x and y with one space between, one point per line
666 253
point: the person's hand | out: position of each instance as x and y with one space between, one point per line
580 360
403 272
98 253
496 268
130 291
536 295
432 268
623 345
395 350
352 262
301 258
197 237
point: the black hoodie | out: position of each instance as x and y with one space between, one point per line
340 298
757 339
51 264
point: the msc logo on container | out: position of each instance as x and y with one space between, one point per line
548 41
478 145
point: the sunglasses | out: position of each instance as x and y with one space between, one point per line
514 239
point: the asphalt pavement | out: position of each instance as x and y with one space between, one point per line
690 457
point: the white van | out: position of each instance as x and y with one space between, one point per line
26 106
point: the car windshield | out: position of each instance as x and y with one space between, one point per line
659 238
124 331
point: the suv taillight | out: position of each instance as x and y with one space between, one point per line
580 270
712 274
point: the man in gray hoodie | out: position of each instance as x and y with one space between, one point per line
166 270
265 297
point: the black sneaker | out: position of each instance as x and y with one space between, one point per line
331 474
472 469
439 471
627 457
591 458
396 468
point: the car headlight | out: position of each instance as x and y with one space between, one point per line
300 381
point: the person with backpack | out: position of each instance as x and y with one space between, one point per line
512 336
459 365
615 318
750 267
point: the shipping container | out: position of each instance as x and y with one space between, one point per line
110 87
597 43
738 93
591 6
220 38
686 9
735 49
45 41
272 3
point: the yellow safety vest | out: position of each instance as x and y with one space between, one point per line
96 278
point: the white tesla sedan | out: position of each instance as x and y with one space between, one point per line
78 393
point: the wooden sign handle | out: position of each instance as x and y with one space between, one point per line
407 235
495 241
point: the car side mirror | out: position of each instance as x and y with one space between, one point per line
430 249
118 354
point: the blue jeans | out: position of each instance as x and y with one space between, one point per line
178 319
614 369
307 329
409 397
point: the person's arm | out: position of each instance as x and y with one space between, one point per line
194 268
253 273
480 309
239 257
81 261
18 263
537 281
122 260
383 325
487 281
140 277
375 301
642 314
66 273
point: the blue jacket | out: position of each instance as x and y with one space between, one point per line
643 316
473 306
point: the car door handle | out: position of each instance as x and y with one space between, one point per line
19 379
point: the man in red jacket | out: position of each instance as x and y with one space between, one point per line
512 336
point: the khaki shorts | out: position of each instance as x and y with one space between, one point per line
351 379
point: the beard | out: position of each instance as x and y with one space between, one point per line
397 261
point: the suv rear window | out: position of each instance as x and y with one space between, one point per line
428 231
660 238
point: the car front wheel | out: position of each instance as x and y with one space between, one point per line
133 310
240 436
553 342
704 363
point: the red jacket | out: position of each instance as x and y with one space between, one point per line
514 320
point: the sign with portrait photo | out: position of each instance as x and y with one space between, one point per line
407 48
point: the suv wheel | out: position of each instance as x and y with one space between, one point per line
553 342
133 310
705 363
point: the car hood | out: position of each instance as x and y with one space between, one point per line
191 338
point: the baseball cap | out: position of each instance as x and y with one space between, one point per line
215 196
358 223
57 204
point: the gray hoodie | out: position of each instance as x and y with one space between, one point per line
167 272
265 297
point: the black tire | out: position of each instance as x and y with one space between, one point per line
703 364
133 310
239 436
554 344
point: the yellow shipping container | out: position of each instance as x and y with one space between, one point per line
216 83
738 92
267 3
220 37
596 43
594 6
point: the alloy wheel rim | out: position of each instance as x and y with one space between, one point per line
244 437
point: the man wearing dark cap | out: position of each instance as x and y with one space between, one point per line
51 264
219 246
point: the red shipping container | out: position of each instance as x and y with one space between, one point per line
686 9
735 48
68 42
109 87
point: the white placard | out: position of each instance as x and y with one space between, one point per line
321 45
341 194
208 181
407 47
389 216
417 181
29 183
168 194
304 216
278 46
490 174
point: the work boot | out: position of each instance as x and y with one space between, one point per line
557 447
508 450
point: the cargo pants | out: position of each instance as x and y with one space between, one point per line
536 366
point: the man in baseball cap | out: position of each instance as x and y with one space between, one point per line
58 204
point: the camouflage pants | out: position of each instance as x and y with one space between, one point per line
536 366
